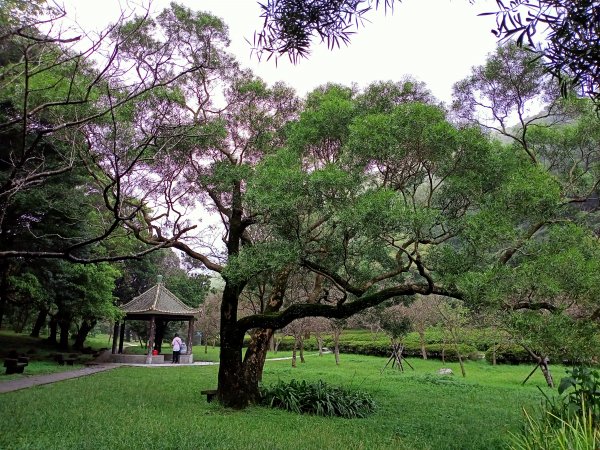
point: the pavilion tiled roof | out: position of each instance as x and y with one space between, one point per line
158 300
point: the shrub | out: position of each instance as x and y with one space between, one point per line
318 398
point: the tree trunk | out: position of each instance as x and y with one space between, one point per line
494 347
277 342
39 323
302 360
272 343
238 384
460 360
462 364
239 380
234 390
319 343
444 351
256 354
336 348
422 340
65 325
294 352
4 273
546 372
53 324
22 319
82 334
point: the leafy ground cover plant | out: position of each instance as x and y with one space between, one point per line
318 398
581 393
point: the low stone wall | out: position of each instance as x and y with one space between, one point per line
183 359
136 359
164 358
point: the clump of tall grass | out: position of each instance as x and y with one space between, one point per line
551 432
568 421
318 398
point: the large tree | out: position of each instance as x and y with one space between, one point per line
552 268
64 94
372 202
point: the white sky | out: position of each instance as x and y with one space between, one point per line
436 41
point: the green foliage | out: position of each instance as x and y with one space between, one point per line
189 288
323 125
318 398
556 335
581 391
27 285
262 257
396 327
383 96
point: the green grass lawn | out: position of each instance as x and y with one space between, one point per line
161 408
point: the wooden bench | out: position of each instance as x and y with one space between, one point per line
16 365
210 394
66 359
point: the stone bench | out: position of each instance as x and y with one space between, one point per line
210 394
69 360
15 365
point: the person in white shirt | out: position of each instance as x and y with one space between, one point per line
176 344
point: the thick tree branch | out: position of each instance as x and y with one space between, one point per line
341 311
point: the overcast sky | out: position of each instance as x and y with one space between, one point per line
436 41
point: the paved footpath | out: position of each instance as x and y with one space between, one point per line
35 380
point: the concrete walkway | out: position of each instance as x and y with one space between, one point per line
35 380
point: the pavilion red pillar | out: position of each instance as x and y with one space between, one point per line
151 340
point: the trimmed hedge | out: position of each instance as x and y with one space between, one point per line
363 342
381 347
509 354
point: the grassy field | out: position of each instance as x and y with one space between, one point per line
161 408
